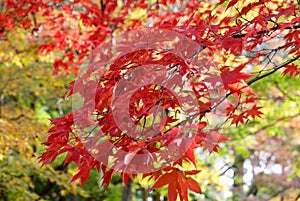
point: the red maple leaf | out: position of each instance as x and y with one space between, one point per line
254 112
178 184
291 70
236 119
235 81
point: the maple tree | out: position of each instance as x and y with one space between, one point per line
222 50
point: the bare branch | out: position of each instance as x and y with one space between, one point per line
273 71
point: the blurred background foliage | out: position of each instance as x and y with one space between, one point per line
260 163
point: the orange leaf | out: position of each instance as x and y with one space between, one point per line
182 186
192 172
164 180
172 191
193 185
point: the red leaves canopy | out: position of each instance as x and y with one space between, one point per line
218 35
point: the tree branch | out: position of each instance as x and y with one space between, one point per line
4 196
273 71
266 31
277 120
228 168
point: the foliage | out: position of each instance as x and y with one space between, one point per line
29 96
245 43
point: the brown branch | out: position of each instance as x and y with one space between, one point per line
4 195
275 28
34 19
127 191
277 121
228 168
273 71
102 6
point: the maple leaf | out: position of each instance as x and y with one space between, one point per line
192 172
84 170
234 45
236 119
193 185
190 155
240 87
232 76
170 136
212 138
235 81
83 173
253 112
178 184
107 176
291 70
